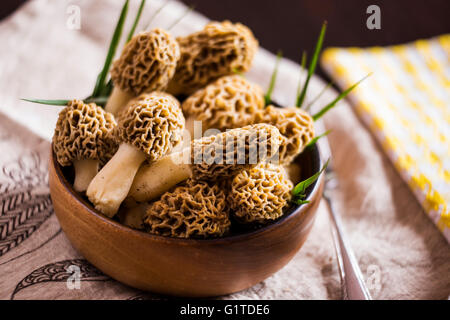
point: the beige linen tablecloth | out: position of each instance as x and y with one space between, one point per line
401 253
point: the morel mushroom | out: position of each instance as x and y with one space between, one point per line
147 63
195 209
296 127
259 194
210 158
220 49
83 137
229 102
148 129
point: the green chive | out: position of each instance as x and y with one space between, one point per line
106 91
100 101
342 95
315 139
312 65
101 78
299 192
62 102
273 79
48 102
136 20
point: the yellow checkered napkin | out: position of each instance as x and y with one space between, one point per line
406 104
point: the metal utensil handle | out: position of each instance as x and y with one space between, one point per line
352 279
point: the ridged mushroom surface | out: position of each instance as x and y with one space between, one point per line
153 123
195 209
295 125
225 154
229 102
221 48
147 63
84 132
259 194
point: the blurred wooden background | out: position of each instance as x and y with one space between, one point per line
293 25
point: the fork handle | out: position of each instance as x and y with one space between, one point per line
351 276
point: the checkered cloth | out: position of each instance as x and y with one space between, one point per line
406 104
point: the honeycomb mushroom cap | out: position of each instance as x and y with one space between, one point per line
220 49
195 209
259 194
153 123
295 125
147 63
84 132
223 155
229 102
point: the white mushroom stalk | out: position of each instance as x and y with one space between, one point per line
210 158
147 63
149 128
85 171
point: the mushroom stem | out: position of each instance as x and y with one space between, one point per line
111 185
152 180
117 101
85 171
134 217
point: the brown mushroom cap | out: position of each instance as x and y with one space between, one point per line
153 123
296 127
229 102
260 194
83 132
220 49
147 62
223 155
195 209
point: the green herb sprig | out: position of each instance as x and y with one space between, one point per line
312 65
299 191
101 78
315 139
101 91
136 20
273 79
63 102
342 95
301 94
106 91
303 65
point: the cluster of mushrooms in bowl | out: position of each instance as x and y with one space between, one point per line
183 183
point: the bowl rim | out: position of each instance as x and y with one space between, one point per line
213 241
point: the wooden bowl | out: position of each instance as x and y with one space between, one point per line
184 267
